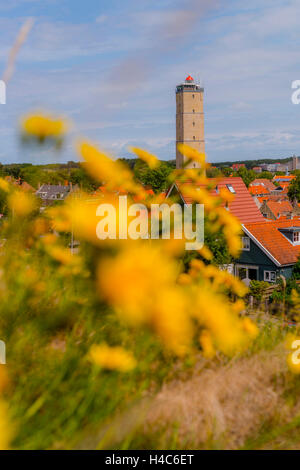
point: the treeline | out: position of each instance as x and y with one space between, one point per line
74 172
252 163
71 172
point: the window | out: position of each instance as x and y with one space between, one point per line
246 243
270 276
193 96
247 272
193 124
230 188
193 110
194 137
296 237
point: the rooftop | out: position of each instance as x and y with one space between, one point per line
270 238
243 206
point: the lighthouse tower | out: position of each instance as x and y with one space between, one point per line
189 119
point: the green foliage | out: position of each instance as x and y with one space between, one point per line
226 171
296 270
265 175
247 175
213 172
258 288
294 189
157 179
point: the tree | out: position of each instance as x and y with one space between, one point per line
247 175
294 190
226 171
157 179
266 175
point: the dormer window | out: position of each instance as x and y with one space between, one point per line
296 237
292 234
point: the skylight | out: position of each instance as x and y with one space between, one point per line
231 189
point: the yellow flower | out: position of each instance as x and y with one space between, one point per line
250 327
21 203
4 381
214 312
226 195
293 365
171 321
130 280
42 126
192 154
206 253
112 358
147 157
4 185
114 174
6 429
206 343
289 340
65 257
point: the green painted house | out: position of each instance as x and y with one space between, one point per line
270 249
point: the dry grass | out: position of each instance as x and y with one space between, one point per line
224 404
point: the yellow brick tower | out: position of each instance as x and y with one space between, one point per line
189 119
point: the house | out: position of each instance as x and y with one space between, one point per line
237 166
243 205
50 193
283 179
263 182
270 250
20 183
276 209
258 190
257 169
272 167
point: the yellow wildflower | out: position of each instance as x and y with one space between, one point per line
131 280
4 185
206 253
250 327
192 154
42 126
3 378
21 203
147 157
206 343
6 429
112 358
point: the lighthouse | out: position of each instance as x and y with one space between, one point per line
189 119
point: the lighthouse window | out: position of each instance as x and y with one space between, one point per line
194 137
193 110
193 96
193 124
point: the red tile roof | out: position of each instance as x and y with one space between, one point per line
284 178
271 239
243 206
254 190
279 207
265 182
237 166
273 197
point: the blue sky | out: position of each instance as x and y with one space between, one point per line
112 67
